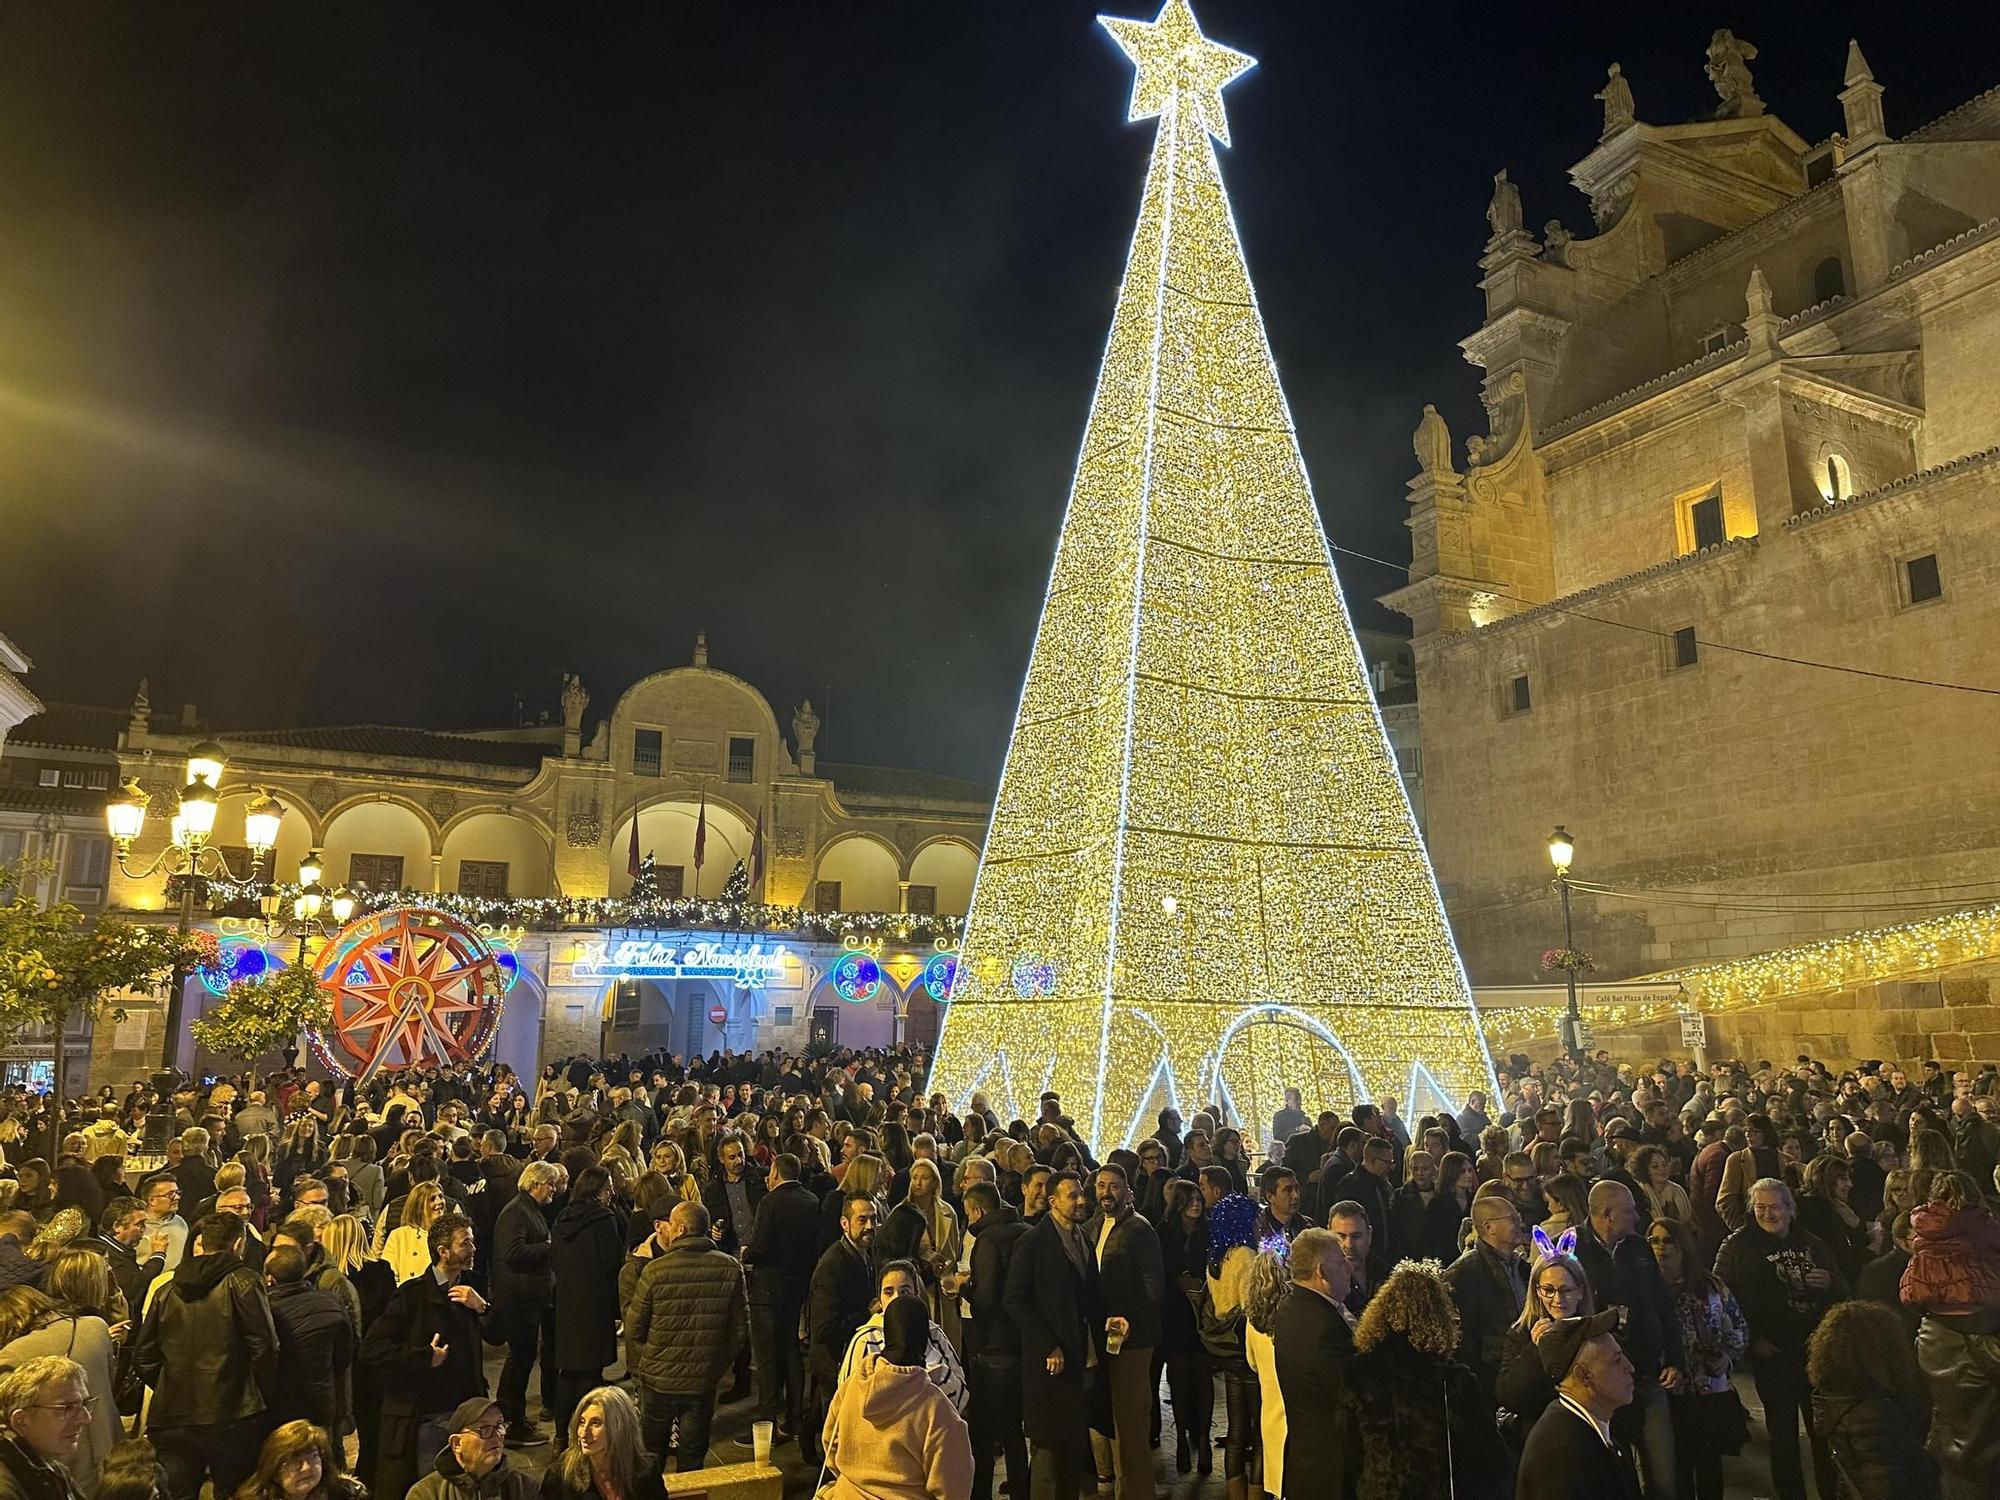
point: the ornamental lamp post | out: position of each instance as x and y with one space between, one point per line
312 899
1562 852
189 860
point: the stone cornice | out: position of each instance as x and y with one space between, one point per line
1925 132
1946 249
1570 424
1985 458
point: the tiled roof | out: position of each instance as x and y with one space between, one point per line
886 782
388 740
71 726
18 797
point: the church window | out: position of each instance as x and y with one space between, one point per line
484 878
1829 281
1705 519
1519 699
826 895
1921 582
379 872
645 752
1686 651
1838 481
51 776
742 757
1717 338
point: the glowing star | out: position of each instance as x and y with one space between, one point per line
1177 66
1202 879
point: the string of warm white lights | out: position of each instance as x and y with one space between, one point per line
1202 878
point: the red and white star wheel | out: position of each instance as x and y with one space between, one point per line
408 983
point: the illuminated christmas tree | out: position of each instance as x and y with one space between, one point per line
1202 879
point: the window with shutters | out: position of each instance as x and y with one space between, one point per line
826 895
1921 580
922 900
483 878
673 881
379 872
1705 520
1686 650
1519 698
86 869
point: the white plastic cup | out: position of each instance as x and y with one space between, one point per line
1114 1336
760 1441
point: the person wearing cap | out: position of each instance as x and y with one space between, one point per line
1620 1141
472 1465
1571 1453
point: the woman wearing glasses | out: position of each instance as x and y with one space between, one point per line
299 1462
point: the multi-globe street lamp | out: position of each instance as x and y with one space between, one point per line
316 911
189 860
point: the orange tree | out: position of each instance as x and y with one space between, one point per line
259 1016
58 962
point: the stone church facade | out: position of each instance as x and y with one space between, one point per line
1747 422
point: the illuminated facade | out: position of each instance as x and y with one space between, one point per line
530 829
1747 423
1202 876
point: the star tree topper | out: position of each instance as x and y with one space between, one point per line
1177 64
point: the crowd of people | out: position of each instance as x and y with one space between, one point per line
291 1290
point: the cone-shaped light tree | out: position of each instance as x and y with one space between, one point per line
1202 880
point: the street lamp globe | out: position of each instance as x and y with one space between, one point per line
198 804
205 763
310 868
261 821
309 902
125 814
341 904
1562 850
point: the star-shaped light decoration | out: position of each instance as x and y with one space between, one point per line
1178 65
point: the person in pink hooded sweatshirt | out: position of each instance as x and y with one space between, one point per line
890 1433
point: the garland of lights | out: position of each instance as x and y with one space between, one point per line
543 913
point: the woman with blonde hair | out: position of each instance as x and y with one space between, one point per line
81 1282
944 1241
606 1457
407 1249
1557 1288
1416 1423
1265 1288
299 1462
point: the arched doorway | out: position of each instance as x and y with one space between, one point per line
1271 1048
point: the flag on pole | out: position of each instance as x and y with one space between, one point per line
701 833
632 850
757 850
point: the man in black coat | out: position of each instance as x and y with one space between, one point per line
1571 1454
1131 1279
1622 1273
1489 1285
731 1197
119 1229
315 1342
994 1369
425 1352
843 1284
1312 1342
1370 1187
209 1351
779 1261
524 1287
1052 1296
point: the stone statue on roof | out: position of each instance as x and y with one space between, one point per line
805 727
1556 242
1504 212
1617 97
1729 70
1433 444
574 701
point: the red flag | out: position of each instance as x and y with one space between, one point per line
757 850
632 850
701 830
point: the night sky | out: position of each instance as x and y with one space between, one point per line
382 362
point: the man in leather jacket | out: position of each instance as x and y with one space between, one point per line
207 1348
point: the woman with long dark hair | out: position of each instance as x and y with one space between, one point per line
1190 1375
1869 1403
299 1462
1708 1417
587 1250
1446 1212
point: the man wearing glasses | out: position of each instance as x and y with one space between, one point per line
45 1406
473 1463
166 1233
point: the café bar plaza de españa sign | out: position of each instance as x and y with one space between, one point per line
624 953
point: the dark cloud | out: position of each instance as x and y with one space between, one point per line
384 360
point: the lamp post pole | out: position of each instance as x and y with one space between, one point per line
1562 851
190 883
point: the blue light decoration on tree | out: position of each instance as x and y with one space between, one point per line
856 976
237 962
938 974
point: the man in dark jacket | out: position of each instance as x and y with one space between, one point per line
1370 1187
1622 1273
1784 1280
119 1229
523 1290
209 1350
843 1284
1571 1453
589 1251
1052 1297
686 1323
473 1464
1489 1285
994 1369
425 1351
315 1342
779 1261
1131 1279
1312 1343
17 1232
731 1197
